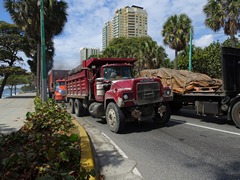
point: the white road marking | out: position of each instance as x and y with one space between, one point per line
205 127
135 171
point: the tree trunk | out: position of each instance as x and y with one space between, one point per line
3 84
38 73
15 89
233 40
11 90
176 66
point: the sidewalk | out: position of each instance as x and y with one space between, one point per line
13 111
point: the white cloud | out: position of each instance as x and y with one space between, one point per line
205 40
86 20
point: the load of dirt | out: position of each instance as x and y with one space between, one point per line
182 80
75 70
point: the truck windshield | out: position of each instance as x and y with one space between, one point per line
60 83
122 72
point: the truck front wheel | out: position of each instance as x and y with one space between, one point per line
79 109
115 118
71 106
236 114
166 115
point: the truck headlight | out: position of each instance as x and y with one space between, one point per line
125 96
168 92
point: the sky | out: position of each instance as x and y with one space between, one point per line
86 19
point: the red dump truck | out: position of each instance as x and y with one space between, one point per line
106 88
56 84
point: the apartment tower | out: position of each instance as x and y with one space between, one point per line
107 34
127 22
85 52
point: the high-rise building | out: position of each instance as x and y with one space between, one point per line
127 22
85 52
107 34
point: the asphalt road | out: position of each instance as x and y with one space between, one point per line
187 147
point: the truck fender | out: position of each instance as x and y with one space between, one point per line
107 101
233 101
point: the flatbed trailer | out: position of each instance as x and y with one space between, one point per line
224 100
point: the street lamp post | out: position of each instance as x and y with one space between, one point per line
44 74
190 51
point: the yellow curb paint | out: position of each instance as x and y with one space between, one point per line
87 158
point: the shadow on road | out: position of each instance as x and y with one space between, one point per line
4 129
139 127
17 97
208 119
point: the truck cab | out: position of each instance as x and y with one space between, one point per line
60 92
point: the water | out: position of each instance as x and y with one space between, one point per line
6 92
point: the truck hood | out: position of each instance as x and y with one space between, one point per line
61 90
126 85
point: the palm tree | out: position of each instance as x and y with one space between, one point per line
223 14
152 54
26 15
176 33
110 52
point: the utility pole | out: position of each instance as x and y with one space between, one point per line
190 51
44 74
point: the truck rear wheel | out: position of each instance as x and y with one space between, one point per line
79 109
115 118
71 106
236 114
166 115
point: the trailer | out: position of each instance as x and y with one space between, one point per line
106 88
56 84
222 99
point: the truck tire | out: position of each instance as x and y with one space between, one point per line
79 109
166 115
115 118
96 110
235 114
71 106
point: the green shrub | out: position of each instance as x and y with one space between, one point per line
45 148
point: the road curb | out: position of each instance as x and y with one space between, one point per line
87 159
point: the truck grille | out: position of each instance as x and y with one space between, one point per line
148 93
64 93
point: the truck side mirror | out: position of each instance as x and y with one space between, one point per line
99 79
